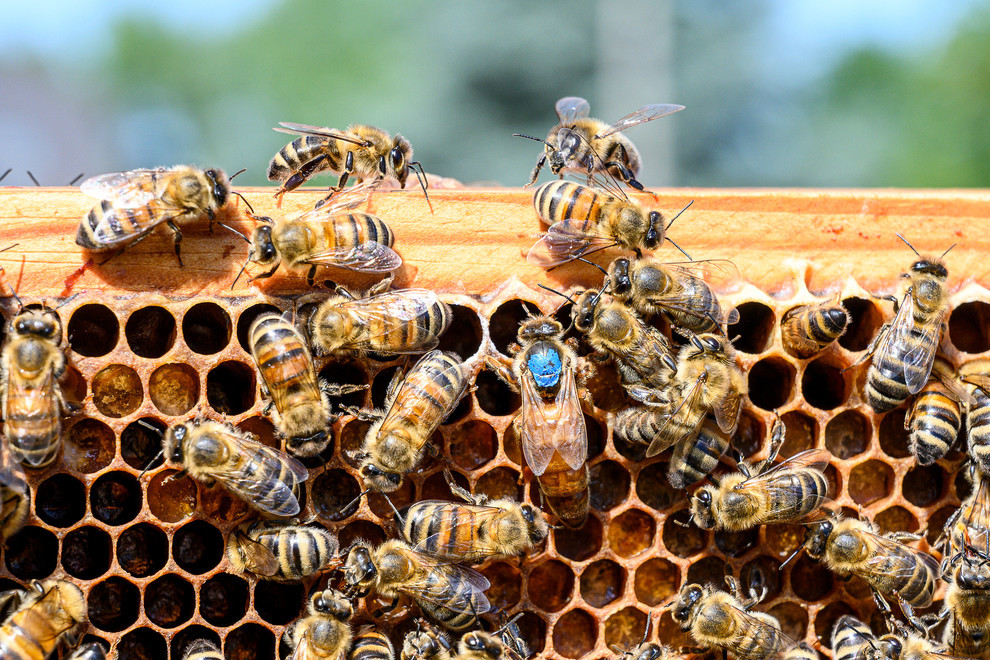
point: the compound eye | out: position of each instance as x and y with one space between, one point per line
705 497
528 515
396 158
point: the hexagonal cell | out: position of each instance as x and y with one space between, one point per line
848 434
755 327
792 617
332 491
472 444
736 544
206 328
278 603
60 500
625 628
655 581
602 582
115 498
826 618
223 599
381 383
834 480
114 604
86 552
707 570
671 634
197 547
865 318
596 436
464 334
633 451
748 438
500 482
460 411
230 387
653 488
763 571
631 532
174 388
404 495
579 544
575 634
503 325
506 585
171 498
141 447
894 438
351 440
247 317
361 530
89 445
250 642
221 505
551 584
117 391
611 485
810 580
263 431
150 331
823 384
771 381
169 601
93 330
800 432
896 519
511 445
533 629
142 644
924 484
142 550
345 373
782 540
936 523
31 554
606 389
73 387
494 396
968 327
190 634
679 538
436 487
870 481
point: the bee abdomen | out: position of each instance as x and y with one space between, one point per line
888 575
439 529
885 385
693 460
850 638
285 501
297 153
802 492
451 583
978 430
935 424
561 200
640 423
371 644
301 551
354 229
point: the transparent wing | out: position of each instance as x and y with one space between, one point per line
758 628
157 213
453 586
258 557
257 477
480 516
12 475
432 415
364 258
883 561
727 411
922 354
679 424
347 199
127 190
688 304
566 240
955 386
319 131
644 114
305 650
570 108
388 310
774 480
558 426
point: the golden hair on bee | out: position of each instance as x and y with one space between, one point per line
276 550
325 631
808 329
426 643
46 617
201 649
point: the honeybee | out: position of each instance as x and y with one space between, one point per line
325 631
280 551
302 410
904 349
892 569
707 380
91 651
211 452
15 496
969 526
762 493
48 616
202 649
414 408
693 459
30 365
406 321
451 594
641 352
370 643
426 643
479 645
967 603
936 415
646 650
807 329
717 619
364 152
551 425
136 202
583 145
652 287
472 532
975 376
852 639
911 646
330 235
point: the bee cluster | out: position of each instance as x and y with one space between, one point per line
334 465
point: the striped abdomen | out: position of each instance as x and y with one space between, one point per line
300 551
888 572
107 226
439 579
934 423
807 329
794 494
978 429
352 229
291 158
32 634
851 639
405 323
565 200
32 412
256 464
694 459
740 637
886 385
640 423
371 644
447 529
692 305
429 393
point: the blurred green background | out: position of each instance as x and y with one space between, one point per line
778 92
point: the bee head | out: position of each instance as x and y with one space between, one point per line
618 274
973 576
650 652
685 604
701 508
931 267
539 327
333 603
174 437
262 247
890 647
583 312
219 186
397 161
378 479
654 231
535 523
43 323
359 569
569 145
479 642
816 537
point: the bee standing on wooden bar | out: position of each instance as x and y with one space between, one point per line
582 145
136 202
325 631
808 329
280 551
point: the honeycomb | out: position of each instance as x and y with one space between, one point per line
150 342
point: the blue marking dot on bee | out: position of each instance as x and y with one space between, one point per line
545 366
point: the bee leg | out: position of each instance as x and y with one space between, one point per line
176 240
339 389
381 286
540 162
871 348
302 175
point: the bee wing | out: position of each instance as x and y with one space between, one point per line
812 459
364 258
127 190
347 199
455 543
319 131
305 650
259 558
667 434
644 114
981 381
686 304
447 591
955 387
266 494
758 628
413 304
886 547
922 354
413 408
570 108
563 431
12 473
727 411
566 240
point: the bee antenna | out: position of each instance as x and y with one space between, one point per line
16 297
12 245
4 175
793 555
229 228
947 250
356 500
535 139
32 178
562 295
679 249
398 515
421 176
908 244
240 171
153 459
78 176
243 198
592 263
669 224
600 292
240 272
